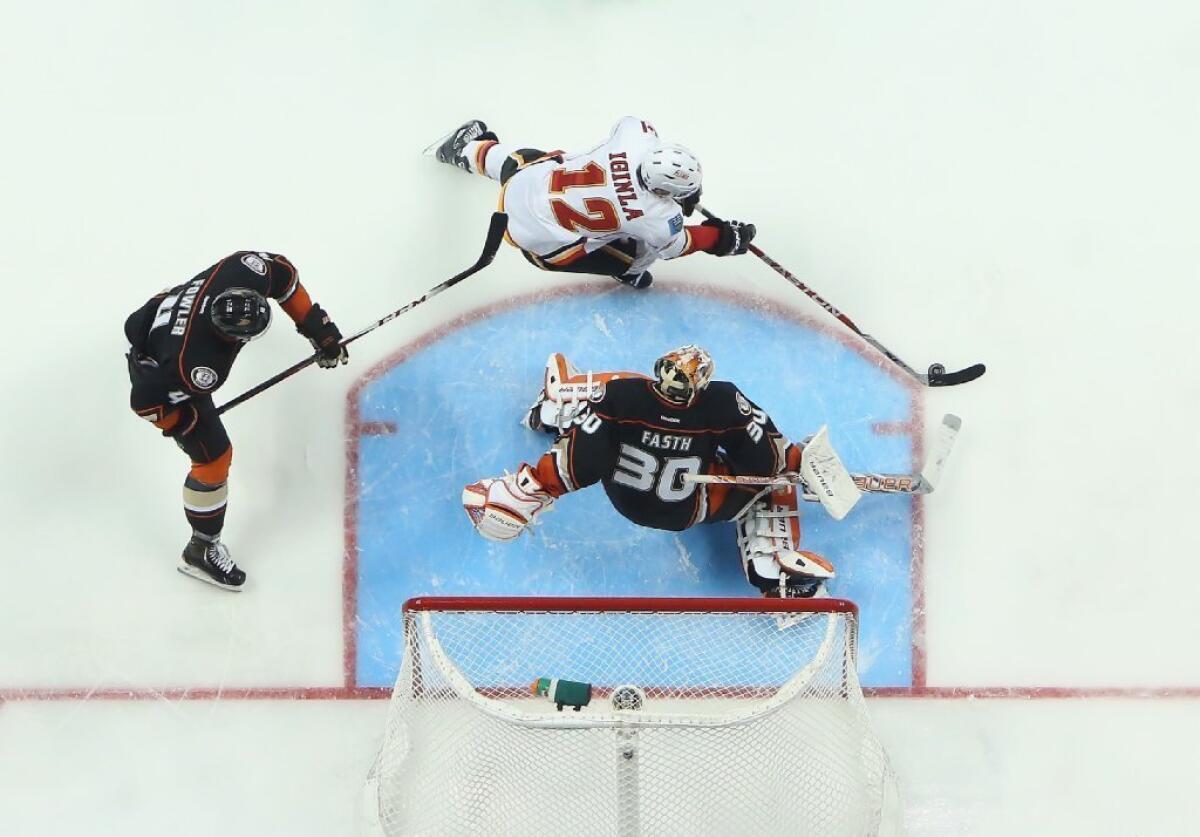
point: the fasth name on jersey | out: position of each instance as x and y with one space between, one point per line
665 441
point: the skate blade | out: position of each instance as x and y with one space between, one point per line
432 149
200 575
783 621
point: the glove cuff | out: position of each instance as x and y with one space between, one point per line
311 325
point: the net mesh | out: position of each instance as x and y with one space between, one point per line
746 722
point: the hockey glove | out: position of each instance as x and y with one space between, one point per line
734 237
501 508
324 336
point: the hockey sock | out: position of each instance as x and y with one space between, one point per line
204 506
487 156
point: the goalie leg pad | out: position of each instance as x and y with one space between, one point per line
768 537
502 507
565 394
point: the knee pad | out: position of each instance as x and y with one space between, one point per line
565 393
214 473
768 537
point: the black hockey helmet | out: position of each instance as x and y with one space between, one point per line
240 314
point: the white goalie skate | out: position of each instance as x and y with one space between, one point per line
768 537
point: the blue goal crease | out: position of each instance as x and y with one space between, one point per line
456 403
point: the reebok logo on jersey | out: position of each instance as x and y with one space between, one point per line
676 225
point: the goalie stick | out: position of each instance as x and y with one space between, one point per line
922 483
491 246
937 376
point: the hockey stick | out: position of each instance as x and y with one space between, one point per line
490 247
922 483
937 375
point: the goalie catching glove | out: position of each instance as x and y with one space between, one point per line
502 507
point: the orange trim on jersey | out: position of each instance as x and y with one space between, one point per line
566 257
293 282
500 208
298 304
481 156
215 472
792 457
571 456
167 421
717 492
546 472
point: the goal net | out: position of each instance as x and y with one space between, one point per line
629 717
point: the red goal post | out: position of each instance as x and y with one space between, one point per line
631 604
629 716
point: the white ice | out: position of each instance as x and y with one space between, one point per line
1008 182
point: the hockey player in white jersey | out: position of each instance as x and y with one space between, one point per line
610 211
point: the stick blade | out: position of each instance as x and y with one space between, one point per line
931 474
495 236
823 473
940 378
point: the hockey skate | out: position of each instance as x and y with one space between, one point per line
640 281
450 148
209 562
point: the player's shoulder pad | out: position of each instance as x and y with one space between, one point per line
725 399
254 261
633 123
617 394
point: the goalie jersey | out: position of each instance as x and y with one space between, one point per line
639 446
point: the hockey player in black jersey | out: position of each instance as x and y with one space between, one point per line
638 437
183 343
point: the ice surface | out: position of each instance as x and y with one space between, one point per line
1009 183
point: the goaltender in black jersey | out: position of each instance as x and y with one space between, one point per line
182 344
642 437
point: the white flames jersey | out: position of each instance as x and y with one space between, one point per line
559 211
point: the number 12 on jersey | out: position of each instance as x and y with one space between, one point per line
601 216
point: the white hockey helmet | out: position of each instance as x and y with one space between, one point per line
682 373
671 171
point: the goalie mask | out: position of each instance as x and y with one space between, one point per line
681 374
240 314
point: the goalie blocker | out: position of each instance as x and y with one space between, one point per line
640 437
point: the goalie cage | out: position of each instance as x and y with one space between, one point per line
753 721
